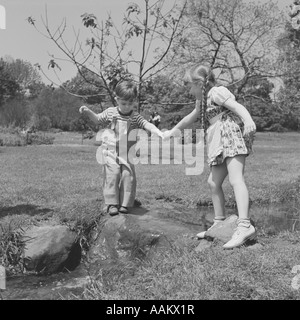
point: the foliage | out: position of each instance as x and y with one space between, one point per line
109 54
12 247
16 137
9 87
39 138
289 62
56 107
19 85
87 85
15 112
26 76
235 37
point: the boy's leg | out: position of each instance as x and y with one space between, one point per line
111 180
127 186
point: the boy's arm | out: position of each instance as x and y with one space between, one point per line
153 129
90 114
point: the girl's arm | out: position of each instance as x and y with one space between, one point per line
240 110
185 122
153 129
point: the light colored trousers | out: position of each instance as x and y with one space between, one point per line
119 184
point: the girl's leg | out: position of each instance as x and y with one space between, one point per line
244 231
235 167
215 180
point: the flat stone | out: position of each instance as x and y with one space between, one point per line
224 230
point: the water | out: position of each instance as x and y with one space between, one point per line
270 219
42 287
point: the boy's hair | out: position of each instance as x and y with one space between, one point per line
126 90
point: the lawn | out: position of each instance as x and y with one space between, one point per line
51 176
64 181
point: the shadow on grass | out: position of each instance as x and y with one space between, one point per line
27 209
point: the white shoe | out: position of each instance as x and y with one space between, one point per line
201 235
243 233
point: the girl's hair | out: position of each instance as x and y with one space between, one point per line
196 74
126 90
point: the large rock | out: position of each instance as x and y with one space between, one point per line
224 230
48 248
126 239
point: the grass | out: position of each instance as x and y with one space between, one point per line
215 274
63 181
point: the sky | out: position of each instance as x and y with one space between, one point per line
20 40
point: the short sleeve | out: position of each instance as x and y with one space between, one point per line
140 121
103 117
219 95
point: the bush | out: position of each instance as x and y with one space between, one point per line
44 123
276 127
11 247
38 138
15 137
10 140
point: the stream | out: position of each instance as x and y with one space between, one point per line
270 219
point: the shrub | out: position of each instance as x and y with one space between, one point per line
44 123
39 138
11 248
15 137
277 128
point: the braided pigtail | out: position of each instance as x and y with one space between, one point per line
203 105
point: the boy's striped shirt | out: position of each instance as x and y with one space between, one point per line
107 116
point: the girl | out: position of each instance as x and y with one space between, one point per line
229 139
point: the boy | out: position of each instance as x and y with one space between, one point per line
119 180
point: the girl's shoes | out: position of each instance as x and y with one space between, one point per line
201 235
123 210
112 210
243 233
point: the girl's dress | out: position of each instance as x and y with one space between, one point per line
224 136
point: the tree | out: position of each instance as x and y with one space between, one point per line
58 106
26 75
289 64
237 39
19 83
9 87
112 53
87 85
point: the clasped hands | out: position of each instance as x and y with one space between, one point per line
165 135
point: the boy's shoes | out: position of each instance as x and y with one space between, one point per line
123 210
137 203
112 210
201 235
243 233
